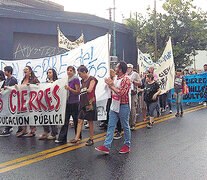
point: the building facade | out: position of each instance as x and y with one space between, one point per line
30 31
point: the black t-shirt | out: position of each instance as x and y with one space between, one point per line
149 91
10 82
84 96
142 86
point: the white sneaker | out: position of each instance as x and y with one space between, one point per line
11 130
57 141
86 126
204 103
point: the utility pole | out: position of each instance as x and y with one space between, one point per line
114 30
110 18
110 13
155 26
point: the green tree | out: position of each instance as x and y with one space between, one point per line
185 23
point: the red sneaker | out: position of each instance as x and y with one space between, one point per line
125 149
103 149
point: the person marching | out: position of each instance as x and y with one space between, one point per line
178 92
29 78
151 92
87 105
135 82
10 81
51 77
73 88
119 109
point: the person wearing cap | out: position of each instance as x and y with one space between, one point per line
135 82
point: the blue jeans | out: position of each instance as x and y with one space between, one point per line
178 100
169 95
123 115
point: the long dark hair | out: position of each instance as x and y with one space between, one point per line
54 75
2 76
32 78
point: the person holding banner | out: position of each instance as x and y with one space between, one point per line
151 92
51 77
10 81
29 78
178 92
119 109
73 88
87 105
2 77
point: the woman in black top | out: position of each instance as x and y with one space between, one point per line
151 92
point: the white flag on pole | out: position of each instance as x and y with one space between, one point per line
164 67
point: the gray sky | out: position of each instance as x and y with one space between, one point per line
123 7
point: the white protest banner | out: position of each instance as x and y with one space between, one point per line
65 43
164 67
94 55
144 62
42 104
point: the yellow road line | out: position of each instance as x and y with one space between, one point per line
9 168
44 152
169 115
68 145
158 121
68 148
60 147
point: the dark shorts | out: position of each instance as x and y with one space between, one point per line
151 108
88 115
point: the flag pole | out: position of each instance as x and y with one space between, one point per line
108 52
58 38
83 36
155 27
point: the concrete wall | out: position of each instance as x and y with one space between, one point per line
10 28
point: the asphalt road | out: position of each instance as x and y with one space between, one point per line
175 148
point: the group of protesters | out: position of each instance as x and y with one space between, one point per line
129 94
81 103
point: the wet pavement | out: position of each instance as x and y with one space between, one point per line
175 148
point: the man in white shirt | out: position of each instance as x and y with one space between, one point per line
135 82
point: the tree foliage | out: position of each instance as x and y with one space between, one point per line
185 23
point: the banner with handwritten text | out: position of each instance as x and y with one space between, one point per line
164 67
94 55
42 104
65 43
